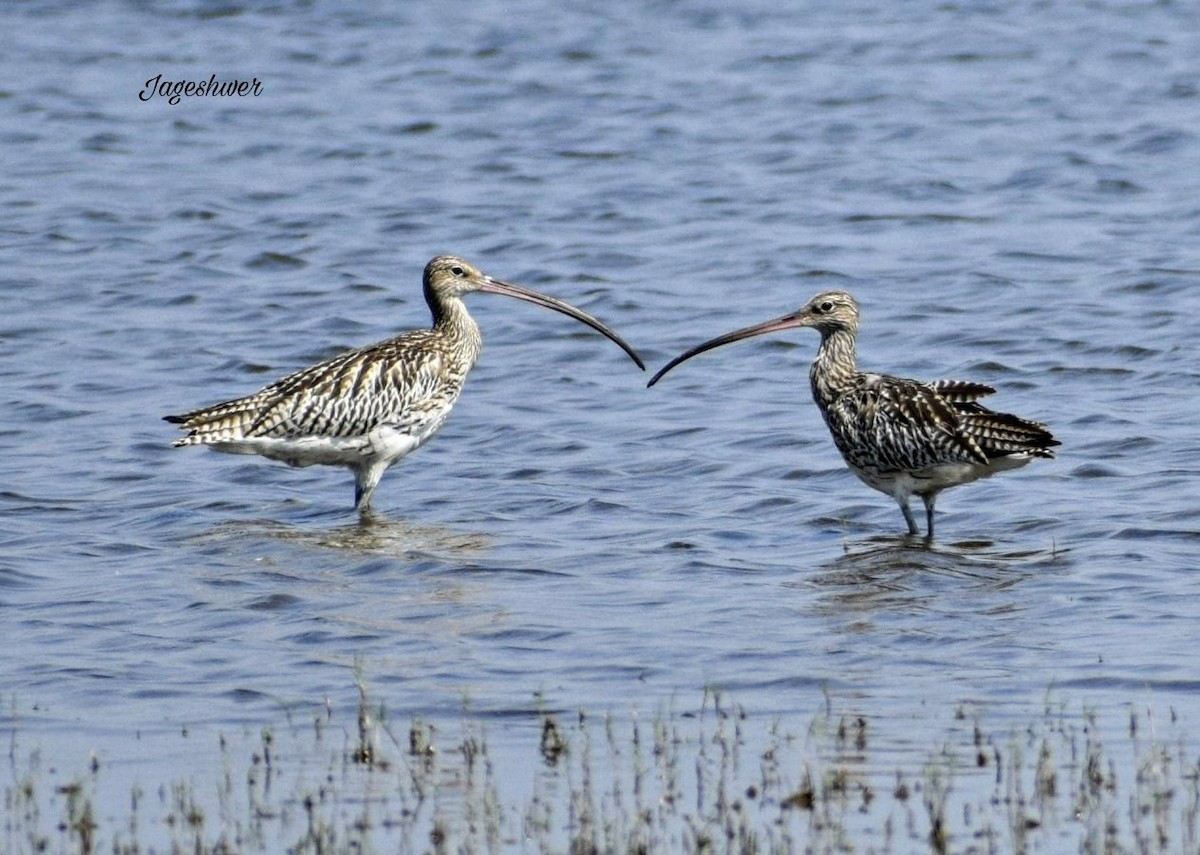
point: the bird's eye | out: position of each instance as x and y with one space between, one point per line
457 271
826 306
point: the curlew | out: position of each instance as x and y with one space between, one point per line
368 408
899 436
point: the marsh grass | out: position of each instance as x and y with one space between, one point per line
712 780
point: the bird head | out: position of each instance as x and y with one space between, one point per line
827 312
448 277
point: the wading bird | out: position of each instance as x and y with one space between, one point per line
901 437
368 408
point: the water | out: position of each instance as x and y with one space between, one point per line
1009 189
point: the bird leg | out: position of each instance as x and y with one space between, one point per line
928 499
364 486
365 479
908 517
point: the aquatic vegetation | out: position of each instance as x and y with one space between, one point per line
716 779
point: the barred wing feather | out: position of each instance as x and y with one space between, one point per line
345 396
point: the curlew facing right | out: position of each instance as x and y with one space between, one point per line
368 408
899 436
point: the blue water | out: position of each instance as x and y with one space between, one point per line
1010 190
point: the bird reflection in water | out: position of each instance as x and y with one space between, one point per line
899 575
372 534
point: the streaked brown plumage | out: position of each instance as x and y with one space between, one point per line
899 436
368 408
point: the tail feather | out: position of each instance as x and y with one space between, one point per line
961 391
1000 434
224 422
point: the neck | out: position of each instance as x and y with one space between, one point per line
834 368
450 319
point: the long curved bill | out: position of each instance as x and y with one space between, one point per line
784 323
495 286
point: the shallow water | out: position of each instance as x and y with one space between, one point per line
1009 191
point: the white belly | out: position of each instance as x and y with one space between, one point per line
933 479
382 446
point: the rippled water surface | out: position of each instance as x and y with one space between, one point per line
1010 190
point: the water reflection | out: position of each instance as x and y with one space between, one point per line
906 574
386 581
370 534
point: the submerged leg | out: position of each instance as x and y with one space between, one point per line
365 480
929 499
908 517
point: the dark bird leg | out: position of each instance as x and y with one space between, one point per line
929 499
363 488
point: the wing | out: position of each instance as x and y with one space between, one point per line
1002 434
959 391
996 434
890 423
401 382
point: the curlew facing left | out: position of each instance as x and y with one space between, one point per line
899 436
368 408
